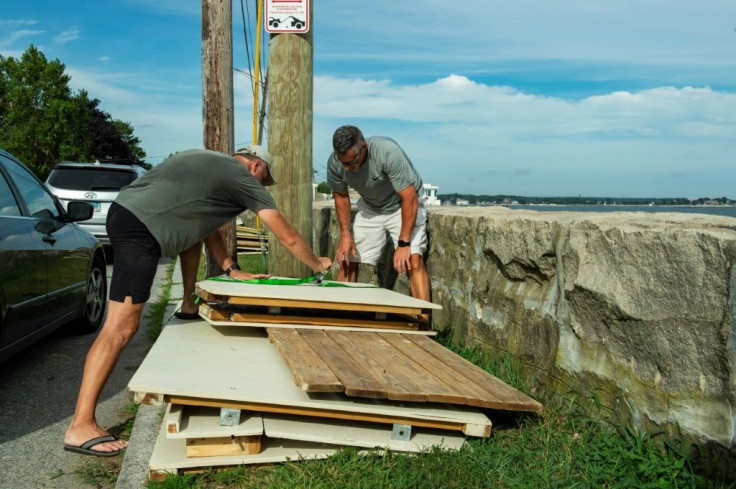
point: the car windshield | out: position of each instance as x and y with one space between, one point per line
91 178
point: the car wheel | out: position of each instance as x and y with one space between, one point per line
96 302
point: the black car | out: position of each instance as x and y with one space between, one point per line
52 272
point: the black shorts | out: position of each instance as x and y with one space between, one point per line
136 253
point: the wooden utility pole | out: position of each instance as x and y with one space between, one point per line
290 66
217 96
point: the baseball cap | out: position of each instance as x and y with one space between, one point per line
260 152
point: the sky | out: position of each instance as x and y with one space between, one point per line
559 98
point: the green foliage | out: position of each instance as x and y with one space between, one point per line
323 188
42 122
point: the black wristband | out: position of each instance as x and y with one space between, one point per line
404 244
232 267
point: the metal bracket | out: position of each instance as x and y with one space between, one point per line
229 417
401 432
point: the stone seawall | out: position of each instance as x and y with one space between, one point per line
638 308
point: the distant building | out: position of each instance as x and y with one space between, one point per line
462 202
429 194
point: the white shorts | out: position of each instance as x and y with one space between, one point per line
369 233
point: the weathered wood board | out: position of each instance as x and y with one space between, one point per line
357 434
354 297
392 366
193 363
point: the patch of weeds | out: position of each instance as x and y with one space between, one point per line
157 310
100 471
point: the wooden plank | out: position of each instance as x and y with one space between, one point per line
310 372
332 306
320 321
357 434
223 447
213 313
251 324
356 380
470 429
499 395
381 360
173 418
465 388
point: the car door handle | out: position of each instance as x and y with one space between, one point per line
49 239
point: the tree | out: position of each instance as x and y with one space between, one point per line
323 188
112 139
43 122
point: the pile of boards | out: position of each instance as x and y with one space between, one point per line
251 240
290 372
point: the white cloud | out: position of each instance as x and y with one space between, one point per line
67 36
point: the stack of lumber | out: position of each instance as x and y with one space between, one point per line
251 240
245 391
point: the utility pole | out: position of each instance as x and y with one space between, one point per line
217 97
290 67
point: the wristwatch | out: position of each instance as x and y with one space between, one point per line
404 244
232 267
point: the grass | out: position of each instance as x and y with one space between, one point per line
157 310
570 445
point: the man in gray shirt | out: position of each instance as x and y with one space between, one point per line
379 170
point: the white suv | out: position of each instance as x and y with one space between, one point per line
96 183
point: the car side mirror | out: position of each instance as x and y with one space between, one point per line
79 210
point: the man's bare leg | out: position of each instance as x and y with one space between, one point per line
120 326
348 273
419 282
189 260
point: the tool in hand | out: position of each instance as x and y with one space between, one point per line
320 277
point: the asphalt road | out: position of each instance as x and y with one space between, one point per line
38 392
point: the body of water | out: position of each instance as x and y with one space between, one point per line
728 211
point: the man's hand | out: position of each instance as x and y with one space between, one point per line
325 264
240 275
345 248
402 259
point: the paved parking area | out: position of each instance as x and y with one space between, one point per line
39 389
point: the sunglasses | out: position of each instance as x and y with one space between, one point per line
355 160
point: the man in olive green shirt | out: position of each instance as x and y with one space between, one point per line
169 211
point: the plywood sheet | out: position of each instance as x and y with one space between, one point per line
239 367
357 434
398 367
358 297
203 422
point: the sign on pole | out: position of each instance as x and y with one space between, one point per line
290 16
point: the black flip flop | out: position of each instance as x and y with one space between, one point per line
86 447
186 315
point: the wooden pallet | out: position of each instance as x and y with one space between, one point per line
194 364
202 443
222 313
350 298
391 366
